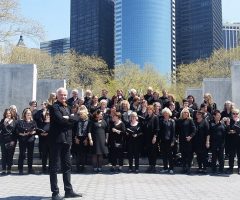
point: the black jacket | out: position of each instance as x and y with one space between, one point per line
151 127
61 128
167 130
7 132
185 128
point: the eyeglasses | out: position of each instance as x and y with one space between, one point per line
235 113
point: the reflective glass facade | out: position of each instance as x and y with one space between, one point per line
144 33
231 35
54 47
92 28
199 29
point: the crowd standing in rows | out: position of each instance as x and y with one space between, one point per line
133 127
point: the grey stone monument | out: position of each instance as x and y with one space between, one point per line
235 73
197 93
18 84
47 86
219 88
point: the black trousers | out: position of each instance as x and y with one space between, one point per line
167 153
133 152
152 150
218 154
82 153
23 147
186 153
7 157
117 156
45 152
62 151
234 149
202 156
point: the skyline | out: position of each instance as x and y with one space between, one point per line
57 25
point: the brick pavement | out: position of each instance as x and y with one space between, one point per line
125 186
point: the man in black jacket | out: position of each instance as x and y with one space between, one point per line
61 123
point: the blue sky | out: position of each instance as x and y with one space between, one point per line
54 15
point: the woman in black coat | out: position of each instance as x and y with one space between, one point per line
80 134
133 132
151 131
7 140
186 130
217 133
26 130
116 140
200 141
167 140
233 134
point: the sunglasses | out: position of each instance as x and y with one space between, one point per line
235 113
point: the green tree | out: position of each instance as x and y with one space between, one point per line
130 75
217 66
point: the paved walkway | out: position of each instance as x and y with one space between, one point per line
126 186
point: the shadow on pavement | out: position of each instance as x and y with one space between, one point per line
25 198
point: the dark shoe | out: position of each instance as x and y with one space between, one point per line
153 169
149 169
120 169
100 170
136 171
238 171
72 195
31 171
20 172
184 171
112 169
130 170
189 171
3 173
9 172
57 197
229 171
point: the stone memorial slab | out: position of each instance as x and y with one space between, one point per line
47 86
197 93
17 85
219 88
235 74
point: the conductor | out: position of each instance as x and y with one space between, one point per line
60 137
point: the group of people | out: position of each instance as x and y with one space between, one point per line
119 127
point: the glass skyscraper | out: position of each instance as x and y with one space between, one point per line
92 28
145 33
231 35
54 47
198 29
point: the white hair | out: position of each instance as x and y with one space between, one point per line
133 91
62 89
75 90
13 107
103 101
167 110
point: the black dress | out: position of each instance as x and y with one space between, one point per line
99 131
116 143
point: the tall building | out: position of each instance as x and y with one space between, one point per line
231 35
198 29
92 28
54 47
145 33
